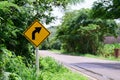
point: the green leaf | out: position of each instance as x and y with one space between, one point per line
6 4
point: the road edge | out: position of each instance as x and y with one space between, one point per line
73 69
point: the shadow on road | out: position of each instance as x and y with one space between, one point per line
101 71
98 65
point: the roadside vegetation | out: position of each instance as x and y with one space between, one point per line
83 31
51 70
98 56
17 57
12 67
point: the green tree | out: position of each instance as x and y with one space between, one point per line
54 43
79 32
16 15
108 9
1 61
12 24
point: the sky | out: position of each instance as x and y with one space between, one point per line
85 4
59 13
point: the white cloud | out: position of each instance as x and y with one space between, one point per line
85 4
59 13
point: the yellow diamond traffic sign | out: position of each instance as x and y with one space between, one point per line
36 33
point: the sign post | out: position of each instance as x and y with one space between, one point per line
36 33
37 60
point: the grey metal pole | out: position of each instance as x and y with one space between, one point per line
37 60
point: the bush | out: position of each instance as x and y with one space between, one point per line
13 21
117 46
1 61
49 64
15 68
11 76
106 50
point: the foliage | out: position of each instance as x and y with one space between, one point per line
51 42
79 32
15 69
99 56
54 42
50 65
16 54
117 46
13 76
51 70
1 61
12 24
118 30
45 45
16 15
108 9
106 50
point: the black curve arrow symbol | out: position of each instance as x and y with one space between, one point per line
37 30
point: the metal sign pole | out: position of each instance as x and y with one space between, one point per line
37 60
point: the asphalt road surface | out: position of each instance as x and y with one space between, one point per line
97 68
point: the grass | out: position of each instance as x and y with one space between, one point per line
15 69
112 58
51 70
56 51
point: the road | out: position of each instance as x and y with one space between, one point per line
97 68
